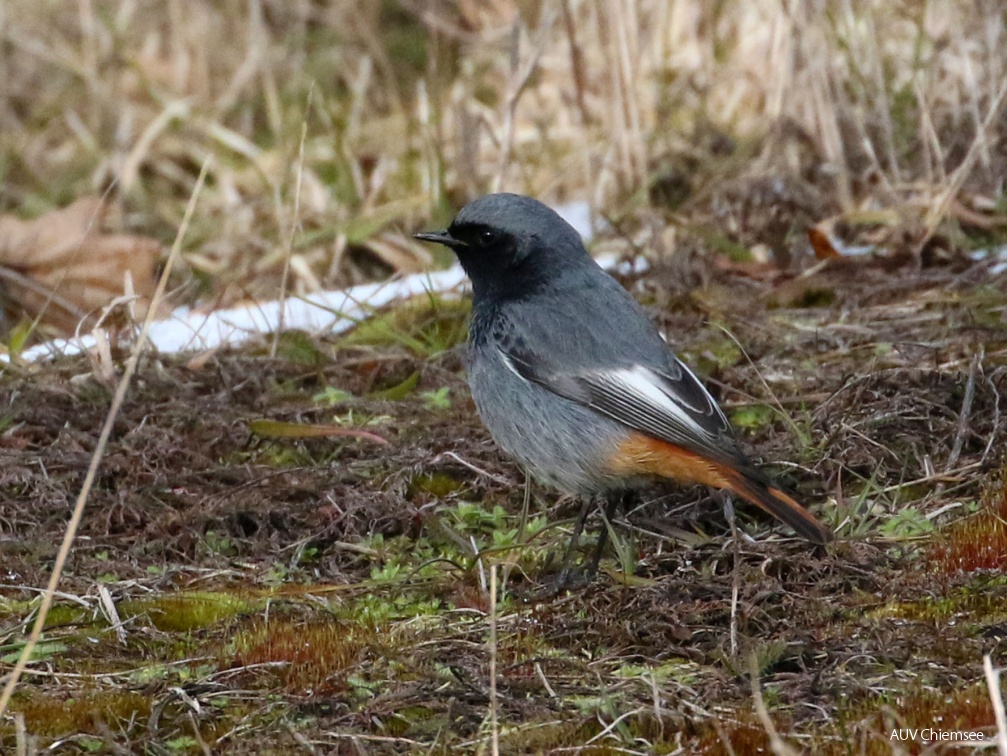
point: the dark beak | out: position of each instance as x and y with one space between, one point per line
440 237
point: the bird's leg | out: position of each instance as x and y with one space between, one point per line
571 576
565 572
613 501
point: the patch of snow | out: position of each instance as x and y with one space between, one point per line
188 330
578 215
997 256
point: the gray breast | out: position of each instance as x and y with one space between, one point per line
561 443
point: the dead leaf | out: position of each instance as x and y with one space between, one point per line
63 266
280 429
758 271
820 242
970 217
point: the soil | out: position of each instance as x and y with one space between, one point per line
278 592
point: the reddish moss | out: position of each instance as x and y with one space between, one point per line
968 709
978 542
308 658
867 728
742 734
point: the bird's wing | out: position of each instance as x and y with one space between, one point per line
669 404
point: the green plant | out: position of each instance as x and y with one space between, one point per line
438 399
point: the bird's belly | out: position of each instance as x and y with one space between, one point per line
561 443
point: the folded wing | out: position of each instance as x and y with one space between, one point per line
671 404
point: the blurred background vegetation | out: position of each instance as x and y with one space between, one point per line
678 121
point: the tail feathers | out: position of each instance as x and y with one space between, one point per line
779 505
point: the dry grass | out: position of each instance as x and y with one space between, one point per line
418 105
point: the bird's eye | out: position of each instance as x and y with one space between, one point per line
487 237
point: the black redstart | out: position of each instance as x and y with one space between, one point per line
573 380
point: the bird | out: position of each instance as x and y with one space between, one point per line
575 382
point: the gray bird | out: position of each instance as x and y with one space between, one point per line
573 380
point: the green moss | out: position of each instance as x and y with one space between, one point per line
425 325
274 454
678 670
437 484
398 391
713 353
186 612
300 348
983 601
60 613
52 716
551 734
752 416
723 244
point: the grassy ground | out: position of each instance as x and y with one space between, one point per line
296 552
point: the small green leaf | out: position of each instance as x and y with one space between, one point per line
752 416
281 429
438 399
17 337
332 395
399 391
907 522
43 650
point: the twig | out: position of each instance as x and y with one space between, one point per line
544 681
996 413
112 613
939 209
494 723
736 578
542 36
469 466
99 451
21 735
963 416
613 724
576 63
521 530
289 246
996 697
53 298
776 743
951 477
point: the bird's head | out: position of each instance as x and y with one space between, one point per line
508 244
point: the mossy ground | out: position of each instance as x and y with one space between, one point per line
278 593
241 586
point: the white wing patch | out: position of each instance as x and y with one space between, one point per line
508 361
670 404
674 408
648 386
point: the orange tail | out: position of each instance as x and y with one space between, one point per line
778 504
640 454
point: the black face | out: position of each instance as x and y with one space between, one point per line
495 261
468 239
481 249
510 245
482 240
